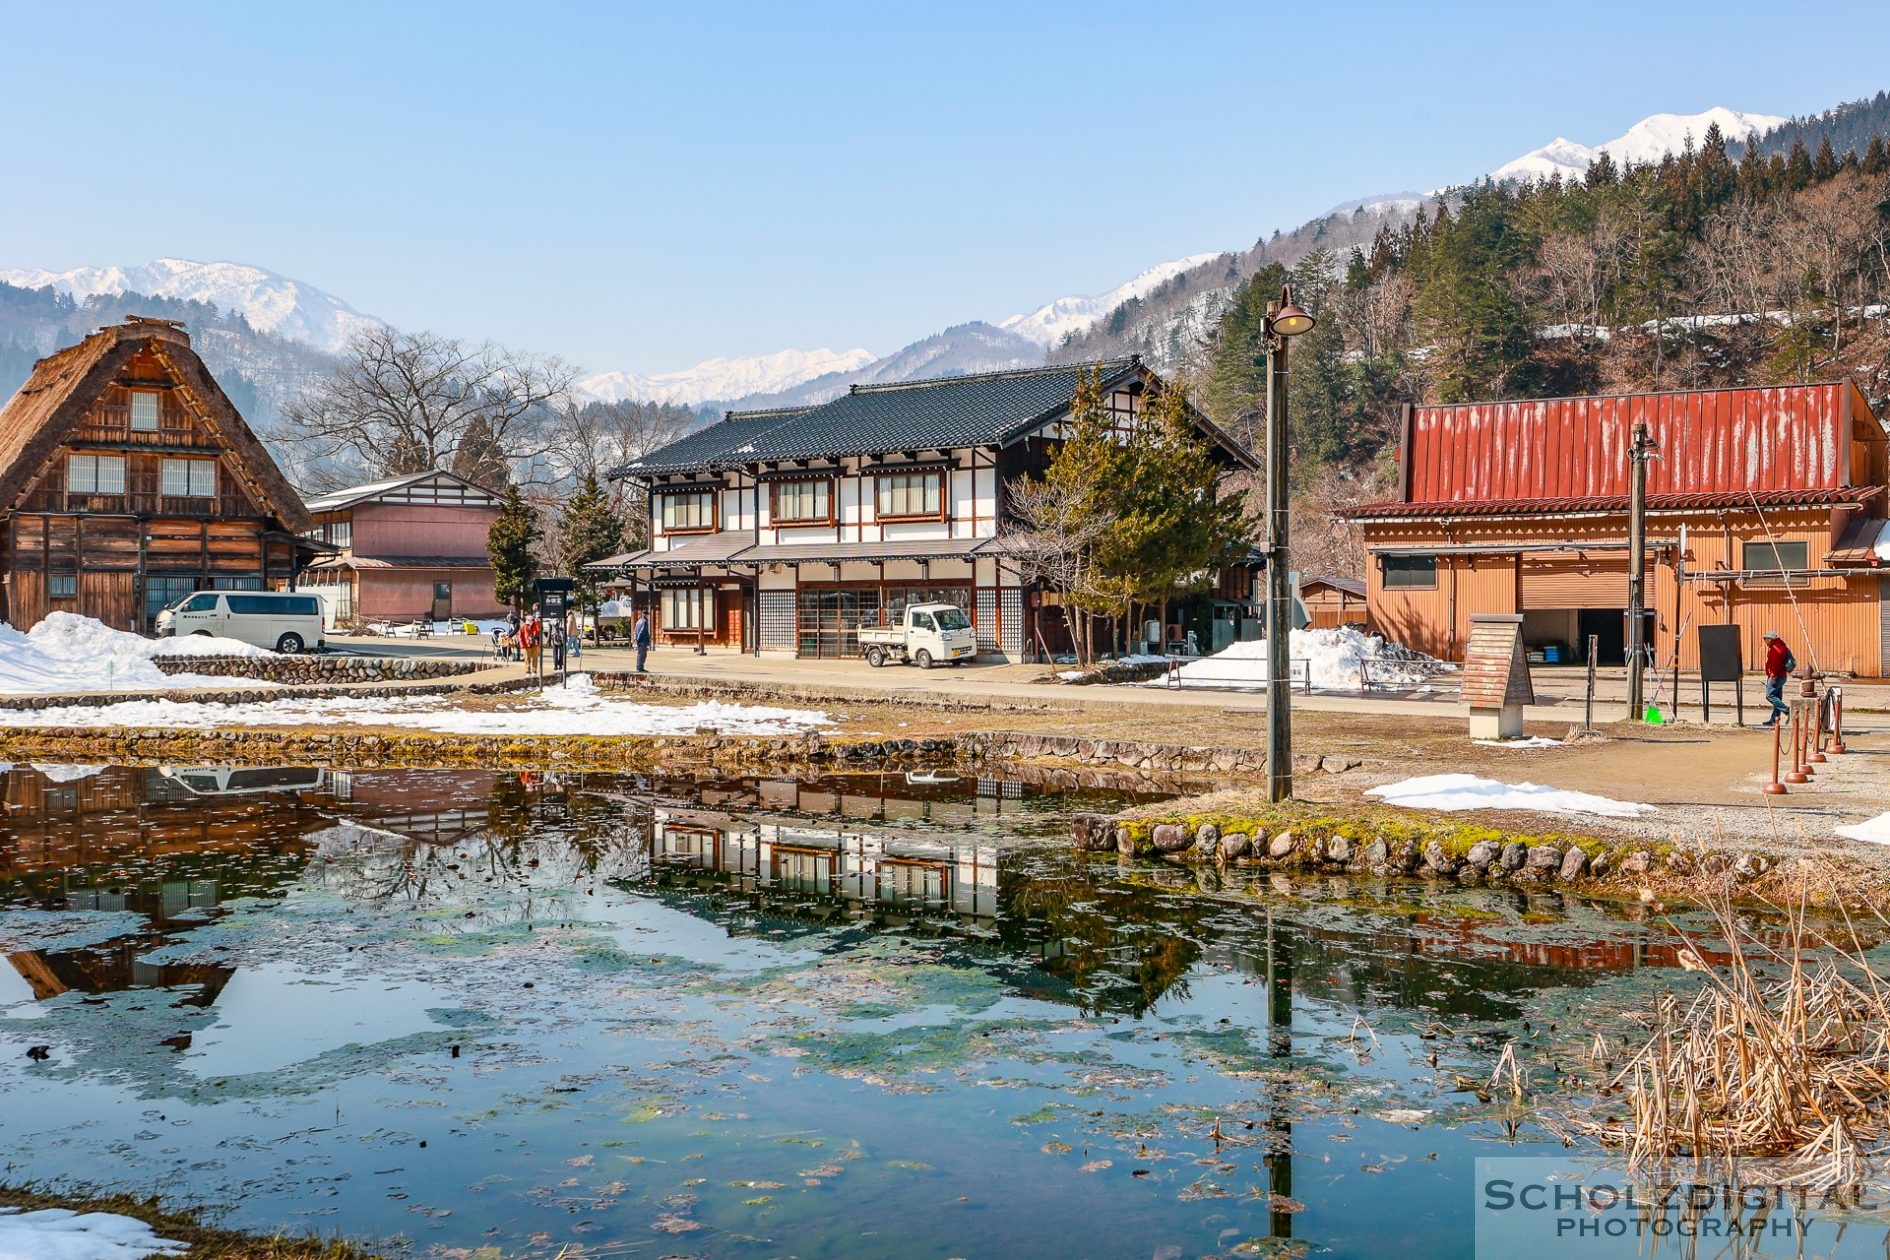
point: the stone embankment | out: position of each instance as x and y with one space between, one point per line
318 670
1366 844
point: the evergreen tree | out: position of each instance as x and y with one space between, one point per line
588 530
1876 157
512 543
1798 169
1825 165
1236 389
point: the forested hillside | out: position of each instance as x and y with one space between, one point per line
1700 271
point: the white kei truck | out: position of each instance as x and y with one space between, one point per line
932 634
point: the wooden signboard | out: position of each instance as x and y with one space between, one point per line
1496 682
1722 659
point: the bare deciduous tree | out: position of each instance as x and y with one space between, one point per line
411 402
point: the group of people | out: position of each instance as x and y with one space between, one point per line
525 638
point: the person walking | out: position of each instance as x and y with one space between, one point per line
640 636
574 633
531 638
1779 663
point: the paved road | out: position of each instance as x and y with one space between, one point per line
1559 690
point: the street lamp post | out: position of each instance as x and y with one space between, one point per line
1284 321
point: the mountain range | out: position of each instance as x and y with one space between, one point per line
1165 311
271 303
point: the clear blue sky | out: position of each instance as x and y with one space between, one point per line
644 186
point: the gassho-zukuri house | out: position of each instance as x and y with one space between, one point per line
787 530
1765 509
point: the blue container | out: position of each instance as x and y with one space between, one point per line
1552 654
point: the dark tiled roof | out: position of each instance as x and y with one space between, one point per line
952 411
947 412
1602 503
712 447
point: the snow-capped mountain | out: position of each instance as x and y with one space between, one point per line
725 377
1648 140
1051 322
271 303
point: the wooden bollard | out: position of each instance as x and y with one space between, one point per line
1796 774
1774 787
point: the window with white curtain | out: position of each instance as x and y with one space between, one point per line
802 501
189 478
95 474
687 608
911 494
144 410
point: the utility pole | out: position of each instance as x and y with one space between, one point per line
1640 450
1284 321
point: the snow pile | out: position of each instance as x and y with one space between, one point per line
1454 792
1102 670
1534 741
62 1234
1335 659
1874 831
67 652
576 709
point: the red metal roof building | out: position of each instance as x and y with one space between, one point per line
1764 506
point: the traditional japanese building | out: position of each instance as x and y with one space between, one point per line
1765 509
405 548
787 530
128 480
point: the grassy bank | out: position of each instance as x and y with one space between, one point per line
207 1242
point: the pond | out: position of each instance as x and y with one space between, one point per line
862 1015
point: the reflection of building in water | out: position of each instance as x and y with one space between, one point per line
858 868
163 843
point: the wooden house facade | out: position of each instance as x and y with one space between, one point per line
404 548
788 530
1766 508
128 480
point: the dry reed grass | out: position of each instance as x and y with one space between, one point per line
1784 1053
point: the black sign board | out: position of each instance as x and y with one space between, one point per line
1722 659
553 594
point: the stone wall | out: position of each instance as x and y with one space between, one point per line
1360 846
245 695
672 686
319 670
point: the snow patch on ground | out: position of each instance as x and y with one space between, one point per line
1534 741
61 773
1456 792
576 709
1872 831
1335 659
62 1234
67 652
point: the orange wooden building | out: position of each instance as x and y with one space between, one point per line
128 480
1765 508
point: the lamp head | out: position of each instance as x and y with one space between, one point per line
1290 320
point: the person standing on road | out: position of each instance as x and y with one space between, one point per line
1779 663
641 637
511 632
531 639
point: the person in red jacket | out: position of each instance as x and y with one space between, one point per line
1778 666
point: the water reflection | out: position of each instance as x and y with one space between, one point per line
607 1000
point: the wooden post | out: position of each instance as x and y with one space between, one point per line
1774 787
1796 774
1588 713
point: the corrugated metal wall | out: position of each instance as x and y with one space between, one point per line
1787 438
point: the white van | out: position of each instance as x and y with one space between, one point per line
288 621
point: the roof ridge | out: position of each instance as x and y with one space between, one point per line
1122 361
1645 393
767 413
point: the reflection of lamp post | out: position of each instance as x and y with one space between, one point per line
1279 1156
1284 321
